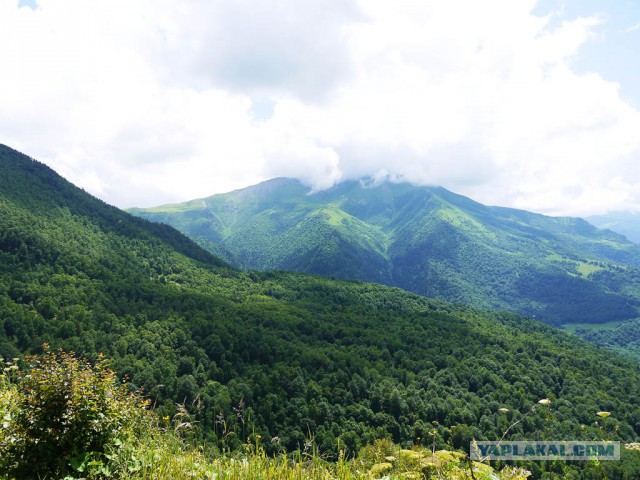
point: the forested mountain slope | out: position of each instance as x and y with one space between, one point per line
423 239
287 356
623 338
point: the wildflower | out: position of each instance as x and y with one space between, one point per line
603 414
379 468
504 410
544 401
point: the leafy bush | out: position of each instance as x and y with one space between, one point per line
61 413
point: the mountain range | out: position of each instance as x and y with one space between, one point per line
426 240
288 356
626 223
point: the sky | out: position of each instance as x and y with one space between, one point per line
519 103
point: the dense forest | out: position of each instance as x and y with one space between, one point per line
290 357
427 240
623 339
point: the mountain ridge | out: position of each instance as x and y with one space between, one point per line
45 180
427 240
626 223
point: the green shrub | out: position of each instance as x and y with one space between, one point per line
62 413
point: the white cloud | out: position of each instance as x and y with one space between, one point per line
271 47
150 102
633 28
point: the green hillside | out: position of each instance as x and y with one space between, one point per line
622 337
423 239
292 358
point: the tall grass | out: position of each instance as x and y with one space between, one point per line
165 456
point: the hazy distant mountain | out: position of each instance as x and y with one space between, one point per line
424 239
626 223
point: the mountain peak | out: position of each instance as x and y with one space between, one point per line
425 239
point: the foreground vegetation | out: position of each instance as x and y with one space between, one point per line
62 417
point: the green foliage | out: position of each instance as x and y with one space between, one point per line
62 413
63 417
623 339
29 183
425 240
384 458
